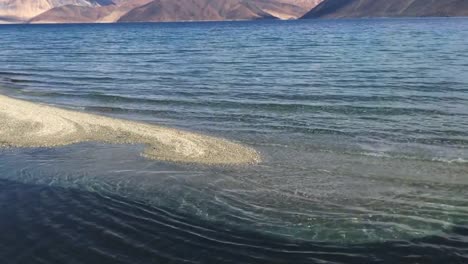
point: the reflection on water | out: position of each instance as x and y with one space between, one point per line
363 143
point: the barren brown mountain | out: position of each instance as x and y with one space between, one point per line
389 8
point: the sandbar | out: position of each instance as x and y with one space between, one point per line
29 124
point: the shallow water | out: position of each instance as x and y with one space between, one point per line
362 126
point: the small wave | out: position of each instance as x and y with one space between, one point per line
375 154
408 157
446 160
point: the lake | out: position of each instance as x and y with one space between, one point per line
362 126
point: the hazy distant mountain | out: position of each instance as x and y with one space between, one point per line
389 8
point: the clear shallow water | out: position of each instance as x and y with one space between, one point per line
362 124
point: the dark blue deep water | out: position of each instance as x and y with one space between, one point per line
362 126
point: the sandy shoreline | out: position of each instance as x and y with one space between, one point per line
27 124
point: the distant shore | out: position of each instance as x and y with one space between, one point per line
228 21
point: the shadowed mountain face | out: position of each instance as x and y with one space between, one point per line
389 8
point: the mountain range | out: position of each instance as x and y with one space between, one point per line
110 11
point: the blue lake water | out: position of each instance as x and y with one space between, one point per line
362 126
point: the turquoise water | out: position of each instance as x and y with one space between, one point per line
362 126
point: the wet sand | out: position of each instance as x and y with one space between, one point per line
27 124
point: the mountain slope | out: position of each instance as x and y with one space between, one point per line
21 10
389 8
195 10
122 7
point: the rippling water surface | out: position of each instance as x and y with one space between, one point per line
362 126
